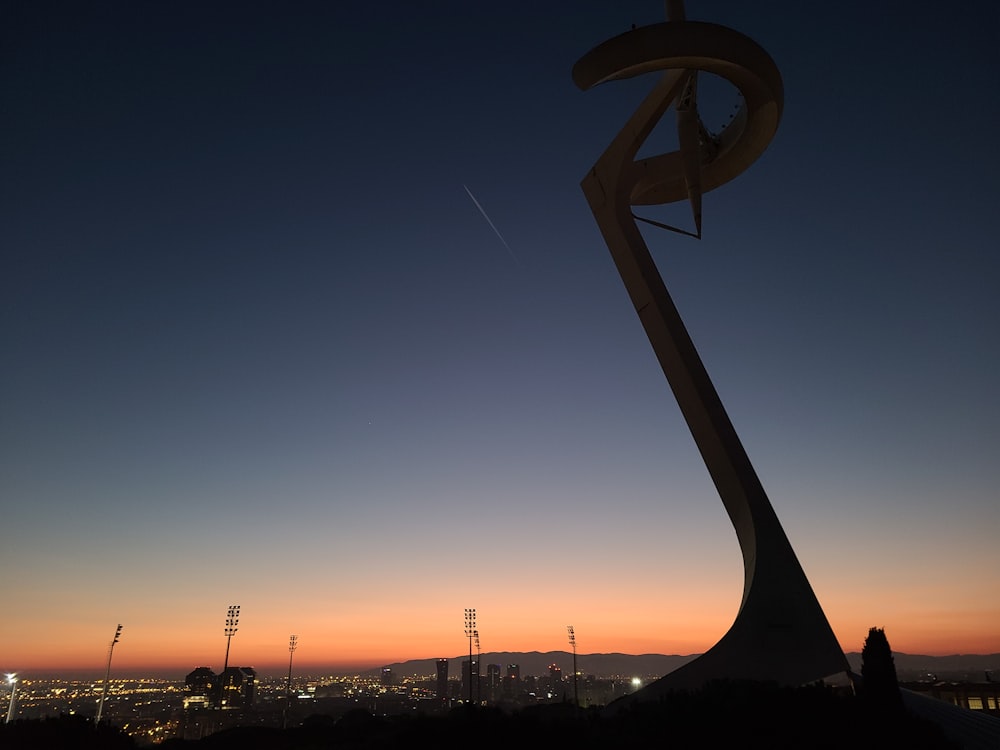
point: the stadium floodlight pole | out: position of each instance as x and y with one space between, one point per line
293 643
572 642
12 681
232 620
107 675
470 631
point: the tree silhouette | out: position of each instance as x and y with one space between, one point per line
881 687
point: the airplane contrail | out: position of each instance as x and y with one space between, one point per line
492 225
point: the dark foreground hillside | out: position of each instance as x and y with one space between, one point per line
721 715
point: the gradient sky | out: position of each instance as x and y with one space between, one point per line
260 347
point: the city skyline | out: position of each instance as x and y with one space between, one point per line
261 347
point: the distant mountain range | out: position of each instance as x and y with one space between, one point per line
971 667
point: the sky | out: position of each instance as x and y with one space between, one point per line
303 309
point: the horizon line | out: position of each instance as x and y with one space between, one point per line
309 668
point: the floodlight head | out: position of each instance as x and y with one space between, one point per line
232 620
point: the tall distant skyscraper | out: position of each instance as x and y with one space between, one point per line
237 687
470 678
512 681
386 675
493 682
442 679
202 685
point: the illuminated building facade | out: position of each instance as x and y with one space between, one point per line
201 685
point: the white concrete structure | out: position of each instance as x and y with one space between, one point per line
781 632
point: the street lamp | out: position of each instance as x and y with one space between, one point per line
107 675
232 620
470 632
572 642
12 681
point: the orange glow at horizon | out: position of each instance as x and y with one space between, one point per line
363 646
665 605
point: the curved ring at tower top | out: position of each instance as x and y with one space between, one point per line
694 45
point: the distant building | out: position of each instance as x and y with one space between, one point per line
975 696
386 676
512 681
494 685
442 679
237 687
470 679
202 685
555 677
